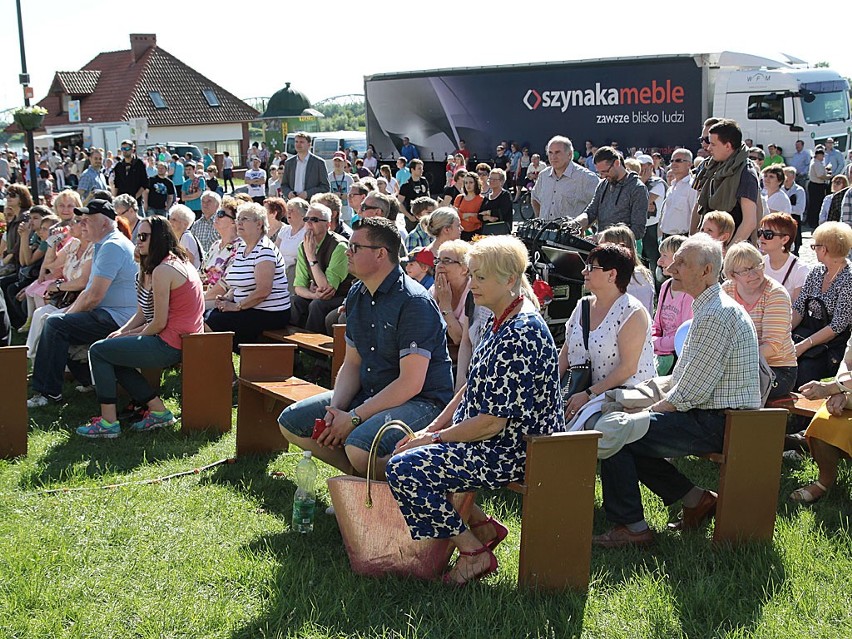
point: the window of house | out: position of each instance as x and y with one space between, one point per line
211 97
157 99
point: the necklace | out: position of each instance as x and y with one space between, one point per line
511 307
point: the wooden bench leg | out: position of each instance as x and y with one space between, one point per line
559 503
206 378
750 475
257 424
14 418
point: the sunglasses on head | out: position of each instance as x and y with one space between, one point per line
220 213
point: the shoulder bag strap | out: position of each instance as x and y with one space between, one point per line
789 270
585 322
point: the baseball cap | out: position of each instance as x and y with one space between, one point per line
422 255
644 158
339 155
96 207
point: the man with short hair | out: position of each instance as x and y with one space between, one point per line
798 200
773 157
207 158
255 179
677 209
304 174
322 273
396 364
131 177
421 207
402 173
340 182
93 178
335 206
717 370
160 194
193 186
417 186
263 154
107 302
204 228
563 189
833 158
726 181
462 150
801 161
127 207
408 150
620 198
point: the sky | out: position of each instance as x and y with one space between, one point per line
254 53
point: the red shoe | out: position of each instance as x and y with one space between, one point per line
492 567
693 518
622 537
501 532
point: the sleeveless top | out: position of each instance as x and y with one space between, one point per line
603 342
186 305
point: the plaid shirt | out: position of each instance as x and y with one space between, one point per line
718 367
204 232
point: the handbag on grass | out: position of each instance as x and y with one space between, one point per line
580 376
375 535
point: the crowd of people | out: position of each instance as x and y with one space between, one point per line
695 284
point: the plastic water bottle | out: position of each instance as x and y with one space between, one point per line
304 502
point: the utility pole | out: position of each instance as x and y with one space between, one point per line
25 82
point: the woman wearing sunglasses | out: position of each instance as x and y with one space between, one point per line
170 305
222 251
769 307
619 346
775 239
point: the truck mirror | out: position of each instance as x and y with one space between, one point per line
789 111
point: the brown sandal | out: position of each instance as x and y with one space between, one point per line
807 494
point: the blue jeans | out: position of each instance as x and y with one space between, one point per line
114 361
59 333
417 413
695 432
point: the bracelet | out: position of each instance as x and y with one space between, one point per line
810 341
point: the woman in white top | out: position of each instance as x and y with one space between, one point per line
257 298
776 200
775 238
393 185
291 236
642 282
620 348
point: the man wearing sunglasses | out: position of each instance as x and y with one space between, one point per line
677 209
130 174
322 272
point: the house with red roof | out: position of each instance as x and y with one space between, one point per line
145 94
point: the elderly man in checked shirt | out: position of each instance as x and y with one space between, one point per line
717 370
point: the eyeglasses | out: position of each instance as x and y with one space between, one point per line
313 220
769 234
221 214
366 206
482 173
445 261
748 271
588 268
754 159
704 139
142 237
354 248
494 178
680 161
816 246
245 219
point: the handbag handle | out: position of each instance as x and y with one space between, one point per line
585 322
394 424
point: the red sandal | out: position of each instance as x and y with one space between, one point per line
492 567
501 531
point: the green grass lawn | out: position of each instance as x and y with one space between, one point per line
212 555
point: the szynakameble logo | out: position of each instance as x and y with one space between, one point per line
532 99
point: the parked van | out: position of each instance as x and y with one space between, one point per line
327 143
180 148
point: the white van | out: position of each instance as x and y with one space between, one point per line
327 143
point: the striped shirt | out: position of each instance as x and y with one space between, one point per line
772 315
718 367
240 276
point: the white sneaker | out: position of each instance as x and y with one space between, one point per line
330 511
84 389
37 401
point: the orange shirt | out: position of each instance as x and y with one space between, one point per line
469 212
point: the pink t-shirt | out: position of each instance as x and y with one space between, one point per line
673 309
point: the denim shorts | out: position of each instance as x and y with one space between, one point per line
417 413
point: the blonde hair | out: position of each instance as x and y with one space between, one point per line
68 194
836 237
438 220
723 221
503 256
459 248
621 234
741 255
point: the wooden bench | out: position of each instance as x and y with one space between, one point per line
798 404
558 509
14 418
206 379
266 385
333 348
750 475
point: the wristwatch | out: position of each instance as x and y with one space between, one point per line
313 263
356 421
436 438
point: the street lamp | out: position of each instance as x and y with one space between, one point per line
25 82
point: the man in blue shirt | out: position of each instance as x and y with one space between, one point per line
408 150
396 364
192 190
92 178
801 160
107 303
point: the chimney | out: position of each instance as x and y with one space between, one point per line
140 43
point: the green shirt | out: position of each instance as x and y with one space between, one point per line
338 266
772 159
